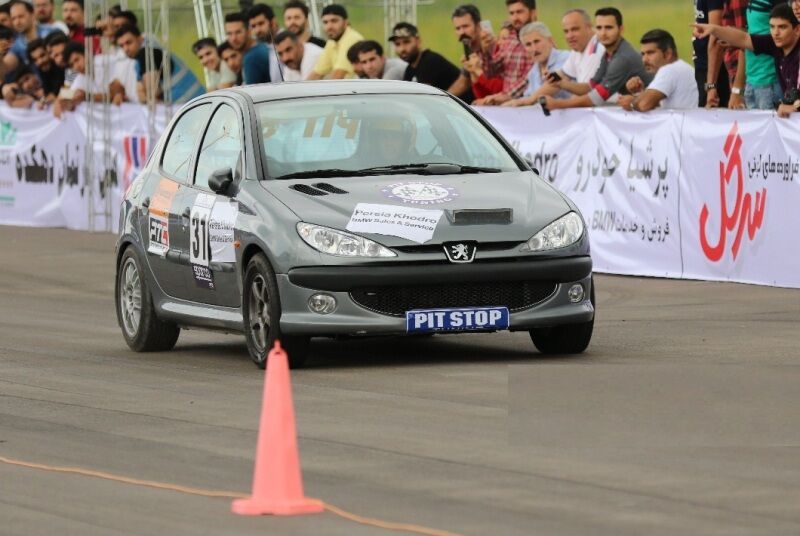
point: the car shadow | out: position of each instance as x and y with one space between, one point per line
416 351
399 351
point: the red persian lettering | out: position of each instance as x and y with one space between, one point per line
745 214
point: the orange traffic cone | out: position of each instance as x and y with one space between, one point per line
277 482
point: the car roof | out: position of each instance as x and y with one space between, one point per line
325 88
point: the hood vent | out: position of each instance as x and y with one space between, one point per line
306 189
501 216
330 188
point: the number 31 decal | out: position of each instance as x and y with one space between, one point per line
199 247
199 250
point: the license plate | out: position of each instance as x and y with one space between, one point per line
457 319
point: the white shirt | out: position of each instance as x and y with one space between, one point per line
81 82
223 76
117 66
394 69
58 25
581 66
311 54
676 81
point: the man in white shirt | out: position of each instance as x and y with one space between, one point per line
298 58
674 85
376 65
584 58
113 74
587 51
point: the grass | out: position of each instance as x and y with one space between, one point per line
437 32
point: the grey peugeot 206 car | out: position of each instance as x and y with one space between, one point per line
346 208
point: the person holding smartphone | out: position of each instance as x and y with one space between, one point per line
504 57
538 41
586 51
620 63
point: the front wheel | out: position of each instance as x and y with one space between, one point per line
261 309
566 339
142 329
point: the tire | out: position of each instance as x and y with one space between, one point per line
142 329
261 310
566 339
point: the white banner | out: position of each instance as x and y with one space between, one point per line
620 168
702 195
740 193
42 175
705 195
40 159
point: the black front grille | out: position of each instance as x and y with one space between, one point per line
439 248
395 301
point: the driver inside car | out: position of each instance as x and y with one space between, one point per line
391 140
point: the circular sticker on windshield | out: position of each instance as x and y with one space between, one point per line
420 193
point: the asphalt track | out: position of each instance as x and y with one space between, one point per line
682 418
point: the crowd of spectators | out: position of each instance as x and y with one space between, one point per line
746 55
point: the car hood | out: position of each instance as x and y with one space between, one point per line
495 207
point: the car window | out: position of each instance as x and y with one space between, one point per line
222 145
182 142
481 149
360 131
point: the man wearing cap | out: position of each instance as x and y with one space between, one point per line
333 62
424 66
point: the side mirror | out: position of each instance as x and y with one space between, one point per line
220 180
530 163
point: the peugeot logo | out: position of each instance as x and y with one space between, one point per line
460 252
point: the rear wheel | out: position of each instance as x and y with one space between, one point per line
566 339
261 308
141 328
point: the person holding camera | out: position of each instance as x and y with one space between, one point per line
783 45
509 60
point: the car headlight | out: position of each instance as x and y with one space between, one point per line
339 243
563 232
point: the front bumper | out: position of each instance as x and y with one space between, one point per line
350 318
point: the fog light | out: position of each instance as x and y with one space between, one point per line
576 293
322 304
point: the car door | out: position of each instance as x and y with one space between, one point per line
162 222
213 277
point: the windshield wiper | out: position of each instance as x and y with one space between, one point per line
433 168
321 174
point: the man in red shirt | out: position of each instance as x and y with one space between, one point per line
733 14
509 60
72 13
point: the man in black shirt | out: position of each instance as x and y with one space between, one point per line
424 66
722 87
51 75
295 19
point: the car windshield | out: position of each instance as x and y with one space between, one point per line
339 134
